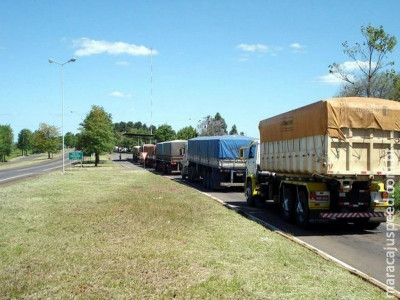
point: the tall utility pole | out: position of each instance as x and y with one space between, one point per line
62 100
151 90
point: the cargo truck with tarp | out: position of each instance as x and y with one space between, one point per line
169 155
333 160
215 161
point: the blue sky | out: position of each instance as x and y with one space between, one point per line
247 60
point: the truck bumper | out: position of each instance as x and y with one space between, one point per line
349 216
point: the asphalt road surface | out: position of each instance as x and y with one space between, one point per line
17 173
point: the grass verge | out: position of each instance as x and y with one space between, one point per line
116 233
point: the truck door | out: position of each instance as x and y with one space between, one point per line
252 159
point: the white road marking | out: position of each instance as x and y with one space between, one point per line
14 177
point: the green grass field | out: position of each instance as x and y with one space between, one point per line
109 232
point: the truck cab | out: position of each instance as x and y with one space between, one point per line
253 157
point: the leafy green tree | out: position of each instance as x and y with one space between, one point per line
97 133
164 133
368 62
6 141
394 92
46 139
70 140
233 130
24 142
213 126
186 133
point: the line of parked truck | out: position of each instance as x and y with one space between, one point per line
328 161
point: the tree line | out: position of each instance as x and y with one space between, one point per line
99 135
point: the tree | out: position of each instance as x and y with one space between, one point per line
368 61
6 141
233 130
213 126
70 140
24 142
45 139
97 133
186 133
395 93
164 133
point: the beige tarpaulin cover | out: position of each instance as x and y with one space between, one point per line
329 116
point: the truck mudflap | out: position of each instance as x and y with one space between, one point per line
352 215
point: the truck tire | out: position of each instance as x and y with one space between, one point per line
301 210
248 193
287 204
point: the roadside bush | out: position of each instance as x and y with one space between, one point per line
397 197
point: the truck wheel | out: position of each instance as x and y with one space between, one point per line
248 193
301 210
287 204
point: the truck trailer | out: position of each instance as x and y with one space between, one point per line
332 160
169 155
147 156
215 160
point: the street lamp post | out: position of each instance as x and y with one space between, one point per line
62 97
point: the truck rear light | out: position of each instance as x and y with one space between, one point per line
319 196
313 197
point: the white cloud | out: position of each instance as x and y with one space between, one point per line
253 47
297 47
350 66
118 94
243 59
91 47
260 49
122 63
330 79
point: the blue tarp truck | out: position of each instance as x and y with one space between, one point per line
215 160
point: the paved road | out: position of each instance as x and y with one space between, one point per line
10 175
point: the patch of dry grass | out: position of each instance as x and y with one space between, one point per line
116 233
